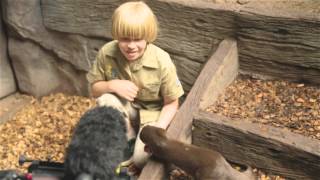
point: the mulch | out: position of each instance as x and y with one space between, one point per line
279 103
293 106
43 128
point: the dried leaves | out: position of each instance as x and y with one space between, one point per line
278 103
42 129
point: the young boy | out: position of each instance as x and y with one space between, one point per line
137 73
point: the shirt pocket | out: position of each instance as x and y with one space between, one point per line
149 92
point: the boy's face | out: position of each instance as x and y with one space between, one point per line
132 49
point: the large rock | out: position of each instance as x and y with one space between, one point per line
24 21
7 82
39 73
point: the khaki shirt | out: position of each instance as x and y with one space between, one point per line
153 73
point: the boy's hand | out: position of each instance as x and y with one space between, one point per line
125 89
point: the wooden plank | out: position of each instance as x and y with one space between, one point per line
273 150
265 69
274 38
180 128
223 77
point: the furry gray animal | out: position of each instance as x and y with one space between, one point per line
97 145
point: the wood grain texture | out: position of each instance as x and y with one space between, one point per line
187 70
265 69
180 127
267 45
270 149
223 76
79 16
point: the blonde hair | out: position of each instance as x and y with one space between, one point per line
134 20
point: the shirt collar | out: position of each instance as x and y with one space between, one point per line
148 59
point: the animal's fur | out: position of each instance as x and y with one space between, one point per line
97 145
201 163
111 100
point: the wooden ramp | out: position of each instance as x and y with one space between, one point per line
273 150
219 71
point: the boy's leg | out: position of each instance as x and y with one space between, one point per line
140 157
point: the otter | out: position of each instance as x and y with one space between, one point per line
201 163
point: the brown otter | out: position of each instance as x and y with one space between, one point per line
201 163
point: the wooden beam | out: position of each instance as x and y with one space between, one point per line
180 128
270 149
280 40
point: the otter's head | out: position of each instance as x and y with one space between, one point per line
153 137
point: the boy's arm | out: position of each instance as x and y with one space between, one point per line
168 111
100 87
123 88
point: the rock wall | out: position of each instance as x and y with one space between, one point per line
53 43
46 61
7 82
